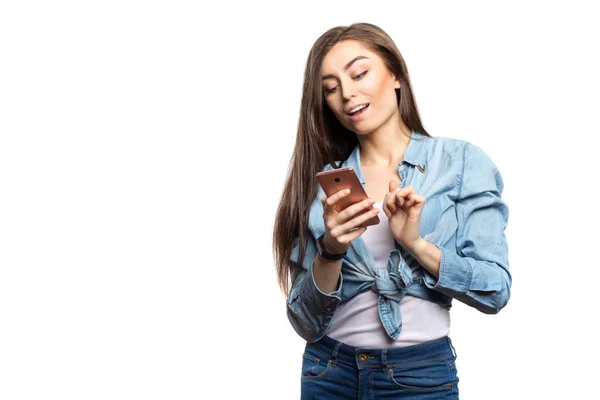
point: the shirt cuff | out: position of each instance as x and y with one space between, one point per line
317 300
454 276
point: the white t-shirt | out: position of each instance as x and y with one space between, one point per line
356 322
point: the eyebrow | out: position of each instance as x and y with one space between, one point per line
346 66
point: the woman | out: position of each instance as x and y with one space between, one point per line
373 303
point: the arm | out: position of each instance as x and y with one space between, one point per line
311 305
326 274
428 255
476 271
310 309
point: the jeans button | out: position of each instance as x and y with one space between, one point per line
362 357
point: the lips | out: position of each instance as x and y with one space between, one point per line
356 109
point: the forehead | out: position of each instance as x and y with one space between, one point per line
342 52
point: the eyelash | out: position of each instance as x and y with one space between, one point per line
359 76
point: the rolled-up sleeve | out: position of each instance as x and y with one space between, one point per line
476 271
309 309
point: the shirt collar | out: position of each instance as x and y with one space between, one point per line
415 154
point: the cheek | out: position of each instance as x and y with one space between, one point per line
384 89
335 108
386 95
378 90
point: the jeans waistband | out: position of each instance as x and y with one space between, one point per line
365 357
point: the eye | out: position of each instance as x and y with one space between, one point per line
332 90
359 76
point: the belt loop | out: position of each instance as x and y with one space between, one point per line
452 347
384 363
333 359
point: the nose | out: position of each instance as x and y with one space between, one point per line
348 89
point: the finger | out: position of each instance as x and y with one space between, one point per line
400 202
357 221
403 194
406 191
329 203
327 209
350 236
355 209
390 207
390 201
415 200
385 207
331 200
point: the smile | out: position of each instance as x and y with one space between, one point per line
358 111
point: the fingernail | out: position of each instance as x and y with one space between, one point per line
346 191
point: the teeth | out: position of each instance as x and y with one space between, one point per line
355 109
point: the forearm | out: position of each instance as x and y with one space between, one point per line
326 274
311 307
428 255
484 285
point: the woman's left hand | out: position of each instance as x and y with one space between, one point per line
403 208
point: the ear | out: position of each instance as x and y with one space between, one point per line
396 80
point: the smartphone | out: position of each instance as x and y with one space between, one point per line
345 178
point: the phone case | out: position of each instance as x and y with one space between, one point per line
345 178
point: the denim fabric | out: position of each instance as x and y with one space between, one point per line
464 216
332 370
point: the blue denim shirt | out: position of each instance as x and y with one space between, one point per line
463 215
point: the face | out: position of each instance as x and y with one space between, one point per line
354 76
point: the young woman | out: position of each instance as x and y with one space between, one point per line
373 303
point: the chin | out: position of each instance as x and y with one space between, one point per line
363 132
363 129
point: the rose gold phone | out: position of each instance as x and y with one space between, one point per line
345 178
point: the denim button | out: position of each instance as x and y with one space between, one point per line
362 357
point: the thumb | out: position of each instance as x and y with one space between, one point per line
393 185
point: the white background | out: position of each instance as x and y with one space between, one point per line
143 150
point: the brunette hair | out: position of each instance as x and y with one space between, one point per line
322 139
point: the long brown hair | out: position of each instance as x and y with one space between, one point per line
322 139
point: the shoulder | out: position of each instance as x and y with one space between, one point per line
448 145
460 150
444 151
463 159
477 172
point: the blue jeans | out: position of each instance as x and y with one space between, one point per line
333 370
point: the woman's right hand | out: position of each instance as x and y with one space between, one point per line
343 227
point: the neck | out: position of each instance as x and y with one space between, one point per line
386 145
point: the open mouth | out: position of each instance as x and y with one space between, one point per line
359 110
